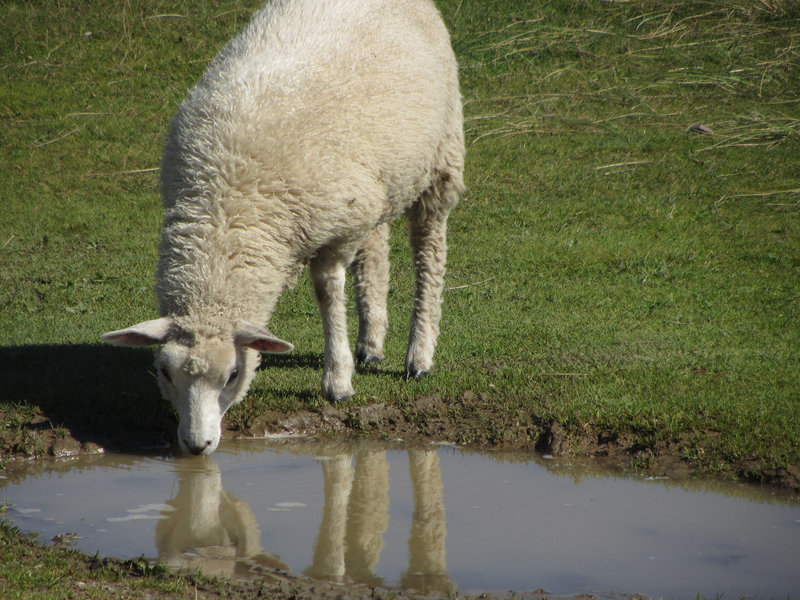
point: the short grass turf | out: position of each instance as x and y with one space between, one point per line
626 259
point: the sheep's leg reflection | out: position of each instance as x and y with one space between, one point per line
368 516
356 515
427 560
328 561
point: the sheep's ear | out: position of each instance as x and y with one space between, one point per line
260 339
147 333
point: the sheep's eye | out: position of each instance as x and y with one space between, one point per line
165 374
233 376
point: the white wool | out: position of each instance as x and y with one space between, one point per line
316 125
319 120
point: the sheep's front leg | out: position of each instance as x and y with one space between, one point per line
328 276
370 271
428 236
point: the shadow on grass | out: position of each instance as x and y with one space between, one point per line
291 360
101 394
309 360
109 395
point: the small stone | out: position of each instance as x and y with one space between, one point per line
65 447
92 448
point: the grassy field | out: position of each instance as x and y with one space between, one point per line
625 263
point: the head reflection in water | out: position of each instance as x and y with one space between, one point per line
209 528
212 530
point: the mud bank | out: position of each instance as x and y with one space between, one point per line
475 420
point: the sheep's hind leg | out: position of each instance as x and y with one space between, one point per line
328 276
428 236
370 271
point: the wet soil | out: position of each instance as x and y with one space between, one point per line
473 419
477 420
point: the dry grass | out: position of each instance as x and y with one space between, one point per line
646 60
754 131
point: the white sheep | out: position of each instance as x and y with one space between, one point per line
316 126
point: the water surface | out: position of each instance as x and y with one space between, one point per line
428 518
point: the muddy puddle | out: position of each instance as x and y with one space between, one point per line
433 518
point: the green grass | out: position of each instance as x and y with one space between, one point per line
29 571
610 270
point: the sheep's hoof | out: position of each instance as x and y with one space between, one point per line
364 357
337 398
414 373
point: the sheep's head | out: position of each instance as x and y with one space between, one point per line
203 373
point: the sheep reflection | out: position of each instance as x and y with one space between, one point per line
427 564
214 531
354 518
356 515
210 529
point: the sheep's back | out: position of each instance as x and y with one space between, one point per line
340 98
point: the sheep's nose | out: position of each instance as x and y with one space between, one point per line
196 448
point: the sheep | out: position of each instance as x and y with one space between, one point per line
313 129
